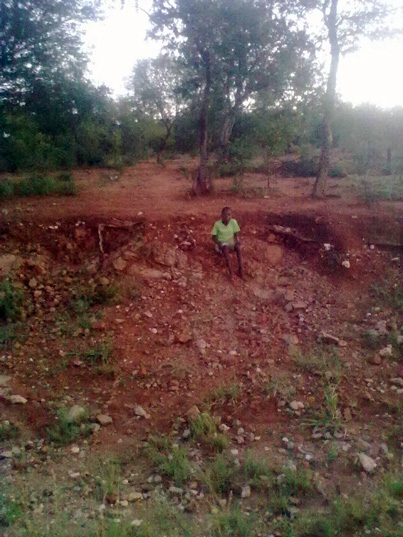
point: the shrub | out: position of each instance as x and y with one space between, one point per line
11 299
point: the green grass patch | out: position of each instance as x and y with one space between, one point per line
204 429
38 184
11 300
66 430
234 523
172 461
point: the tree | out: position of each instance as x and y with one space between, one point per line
344 27
155 87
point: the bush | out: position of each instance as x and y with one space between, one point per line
67 430
11 298
6 189
39 185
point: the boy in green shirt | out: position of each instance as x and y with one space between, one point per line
225 235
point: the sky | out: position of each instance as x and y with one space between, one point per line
373 74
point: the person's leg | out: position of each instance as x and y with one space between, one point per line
238 255
225 253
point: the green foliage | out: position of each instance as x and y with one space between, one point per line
234 523
8 431
100 354
204 429
10 510
66 430
220 475
109 476
11 300
172 461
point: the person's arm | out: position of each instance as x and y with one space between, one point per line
214 234
236 237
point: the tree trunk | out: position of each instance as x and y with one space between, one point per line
225 135
319 189
202 180
160 155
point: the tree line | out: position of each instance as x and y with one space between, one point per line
235 79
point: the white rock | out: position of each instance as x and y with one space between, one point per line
75 450
246 492
386 351
367 463
18 400
137 523
296 405
135 496
103 419
76 413
139 411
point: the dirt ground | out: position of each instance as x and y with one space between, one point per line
128 312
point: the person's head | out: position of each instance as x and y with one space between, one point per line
226 215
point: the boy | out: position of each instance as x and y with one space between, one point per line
225 235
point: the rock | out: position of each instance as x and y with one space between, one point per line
296 405
246 492
193 412
75 450
183 337
155 478
17 400
347 414
76 413
386 351
152 274
289 295
104 420
95 427
274 254
119 264
367 462
324 337
299 305
263 294
136 523
400 340
290 339
9 263
4 380
6 454
376 360
124 503
224 428
342 343
186 434
381 329
201 345
175 490
135 497
139 411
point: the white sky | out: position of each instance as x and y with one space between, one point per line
373 74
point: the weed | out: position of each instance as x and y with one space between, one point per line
389 292
67 430
257 470
290 484
329 415
8 431
225 393
172 461
100 354
234 523
109 478
11 299
326 363
10 511
220 475
7 334
280 386
204 429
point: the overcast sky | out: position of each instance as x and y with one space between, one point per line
373 74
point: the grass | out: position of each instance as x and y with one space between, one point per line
11 300
65 430
234 523
109 478
389 293
204 429
8 431
170 460
220 475
226 393
38 185
325 363
10 511
280 385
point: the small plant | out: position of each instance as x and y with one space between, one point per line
234 523
11 300
10 511
325 364
101 354
204 429
225 393
66 429
280 385
220 475
257 470
171 461
109 478
8 431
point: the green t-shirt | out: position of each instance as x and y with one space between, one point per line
225 233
